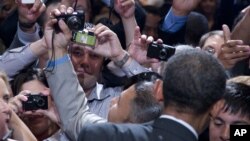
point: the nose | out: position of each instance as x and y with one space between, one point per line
225 133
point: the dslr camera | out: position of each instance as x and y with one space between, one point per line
75 21
160 51
84 37
35 102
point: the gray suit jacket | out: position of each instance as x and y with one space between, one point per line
162 129
70 100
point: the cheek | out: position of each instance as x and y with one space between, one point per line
214 132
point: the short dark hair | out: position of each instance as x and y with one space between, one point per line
27 75
194 80
237 99
144 106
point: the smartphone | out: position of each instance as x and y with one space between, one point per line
84 37
28 1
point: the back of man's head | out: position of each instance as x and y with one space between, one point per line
193 82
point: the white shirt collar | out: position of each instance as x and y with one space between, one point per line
182 122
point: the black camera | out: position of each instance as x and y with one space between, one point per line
35 102
160 51
75 21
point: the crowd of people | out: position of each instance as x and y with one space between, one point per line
135 70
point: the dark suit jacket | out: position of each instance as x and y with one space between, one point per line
161 129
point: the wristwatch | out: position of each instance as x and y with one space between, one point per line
123 61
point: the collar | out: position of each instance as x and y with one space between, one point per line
96 93
182 122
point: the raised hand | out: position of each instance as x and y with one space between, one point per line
107 44
62 38
184 7
232 51
29 13
138 48
125 8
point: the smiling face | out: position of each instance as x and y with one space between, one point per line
220 125
5 112
87 65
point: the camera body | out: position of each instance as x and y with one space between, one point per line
35 102
84 37
75 21
160 51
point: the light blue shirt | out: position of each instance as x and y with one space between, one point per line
173 23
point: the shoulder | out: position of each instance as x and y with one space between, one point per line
110 131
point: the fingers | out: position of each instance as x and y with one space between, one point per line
226 32
16 102
127 3
37 5
137 33
235 49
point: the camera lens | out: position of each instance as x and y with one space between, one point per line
74 23
39 102
163 54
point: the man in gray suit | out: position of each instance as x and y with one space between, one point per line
194 81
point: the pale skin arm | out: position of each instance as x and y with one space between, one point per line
126 9
21 131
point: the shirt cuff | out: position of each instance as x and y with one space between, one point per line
27 38
173 23
57 62
133 68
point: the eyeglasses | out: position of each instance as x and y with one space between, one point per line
145 76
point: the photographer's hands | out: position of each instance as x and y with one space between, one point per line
138 49
60 39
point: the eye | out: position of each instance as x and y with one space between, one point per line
6 98
217 122
77 53
210 49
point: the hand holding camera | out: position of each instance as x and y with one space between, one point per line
160 51
35 102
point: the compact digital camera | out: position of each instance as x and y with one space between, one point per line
160 51
84 37
75 21
35 102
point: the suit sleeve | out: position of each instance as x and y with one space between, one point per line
70 99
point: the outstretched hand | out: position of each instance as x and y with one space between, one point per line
232 51
139 46
184 7
125 8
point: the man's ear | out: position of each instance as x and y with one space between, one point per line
158 90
